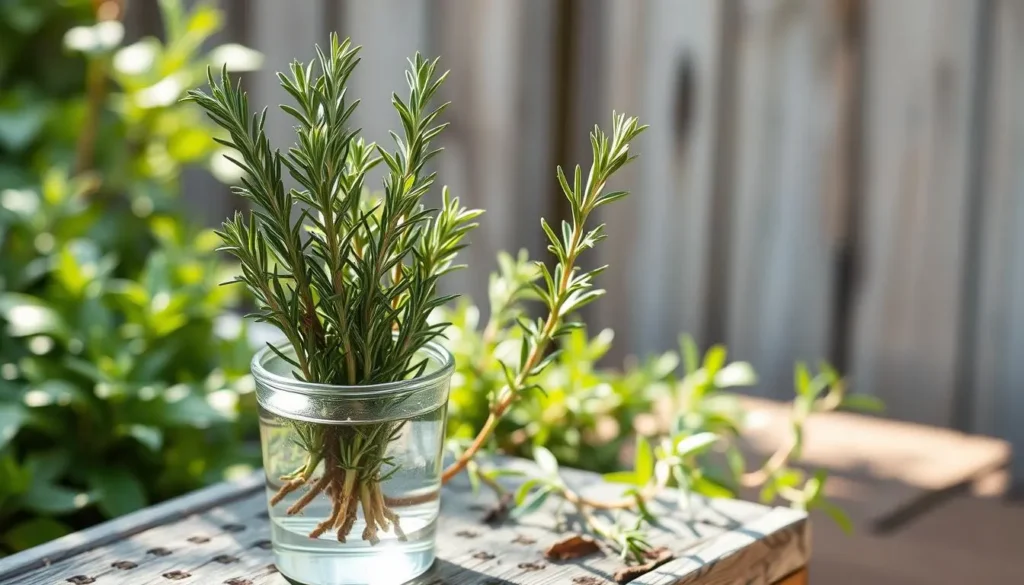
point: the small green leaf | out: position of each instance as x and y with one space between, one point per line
710 488
47 466
503 472
25 17
524 490
55 392
235 57
20 126
644 466
814 486
12 418
545 460
691 361
34 532
187 406
695 444
838 515
831 375
737 463
148 436
47 498
662 470
535 501
98 38
863 403
641 505
622 477
798 441
117 491
204 21
736 374
27 315
802 379
714 359
789 477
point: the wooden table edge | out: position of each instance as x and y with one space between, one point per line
778 542
129 524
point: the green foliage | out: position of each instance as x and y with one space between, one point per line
600 419
562 290
583 410
354 299
115 389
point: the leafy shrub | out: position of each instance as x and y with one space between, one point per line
583 407
115 389
671 413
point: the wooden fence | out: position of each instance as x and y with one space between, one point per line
834 179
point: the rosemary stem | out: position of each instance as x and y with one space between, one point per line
508 394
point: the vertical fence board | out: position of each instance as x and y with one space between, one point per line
919 77
784 236
390 31
283 32
498 147
616 79
998 370
666 72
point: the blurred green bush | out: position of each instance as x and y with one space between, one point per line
586 415
115 390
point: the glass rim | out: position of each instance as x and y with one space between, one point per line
434 350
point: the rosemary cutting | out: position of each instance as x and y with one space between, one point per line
352 297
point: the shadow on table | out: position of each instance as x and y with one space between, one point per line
446 573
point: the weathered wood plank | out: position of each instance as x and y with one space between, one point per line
762 553
798 578
664 68
390 31
283 32
965 540
919 107
880 471
785 234
126 526
998 309
717 541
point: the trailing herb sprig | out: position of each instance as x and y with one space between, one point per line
352 295
567 288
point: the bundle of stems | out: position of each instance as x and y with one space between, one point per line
352 296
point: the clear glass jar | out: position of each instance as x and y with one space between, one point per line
333 452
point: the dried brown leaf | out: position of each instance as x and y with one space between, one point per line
658 556
573 547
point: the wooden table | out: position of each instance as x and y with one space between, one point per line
882 472
927 504
219 535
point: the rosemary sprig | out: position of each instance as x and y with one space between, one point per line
679 457
354 295
567 288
